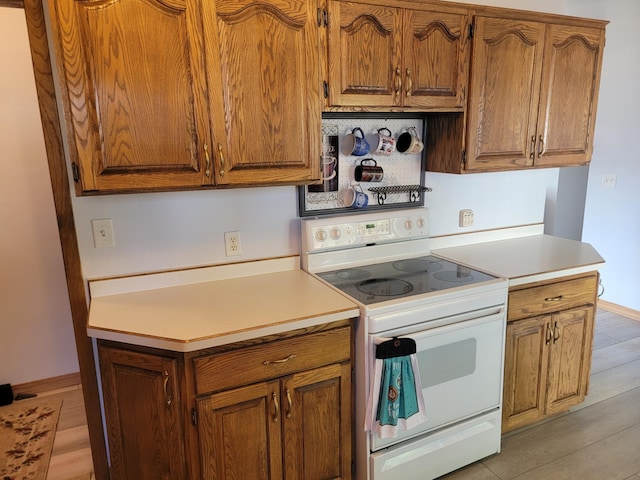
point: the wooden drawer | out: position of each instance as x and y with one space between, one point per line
552 297
271 360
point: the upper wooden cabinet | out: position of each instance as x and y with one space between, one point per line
263 71
397 57
532 99
155 101
135 93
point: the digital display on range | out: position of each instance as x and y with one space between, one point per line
377 228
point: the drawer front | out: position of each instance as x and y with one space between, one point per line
271 360
553 297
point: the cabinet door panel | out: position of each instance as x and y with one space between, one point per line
263 66
239 433
504 93
142 408
526 364
364 54
436 59
570 362
573 57
317 423
135 91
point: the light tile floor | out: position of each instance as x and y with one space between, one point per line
596 440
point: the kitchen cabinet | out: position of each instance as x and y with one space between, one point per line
289 426
143 414
264 82
532 98
273 407
183 94
386 56
548 348
134 92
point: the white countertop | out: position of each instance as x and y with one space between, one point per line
194 309
526 259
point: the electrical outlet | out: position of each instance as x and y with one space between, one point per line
609 180
103 233
466 218
232 243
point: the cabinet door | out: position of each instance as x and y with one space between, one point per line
504 93
142 412
365 43
134 91
317 423
240 433
525 377
264 81
570 358
570 83
436 59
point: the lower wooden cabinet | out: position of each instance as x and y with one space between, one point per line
293 428
548 356
276 408
143 412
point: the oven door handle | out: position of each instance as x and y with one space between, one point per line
452 327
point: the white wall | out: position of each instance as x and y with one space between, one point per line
612 218
36 336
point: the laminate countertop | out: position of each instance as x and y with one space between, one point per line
526 259
200 308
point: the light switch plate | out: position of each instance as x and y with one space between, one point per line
103 233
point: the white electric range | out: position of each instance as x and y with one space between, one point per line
455 314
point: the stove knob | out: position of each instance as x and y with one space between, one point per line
321 235
408 224
335 233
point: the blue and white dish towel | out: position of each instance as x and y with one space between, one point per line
395 400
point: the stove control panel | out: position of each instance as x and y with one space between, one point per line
334 233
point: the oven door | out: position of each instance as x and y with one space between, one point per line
460 370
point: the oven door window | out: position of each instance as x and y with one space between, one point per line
460 371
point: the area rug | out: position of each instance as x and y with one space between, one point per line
27 431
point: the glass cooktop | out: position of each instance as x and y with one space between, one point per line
380 282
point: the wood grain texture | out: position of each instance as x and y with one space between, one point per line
263 76
62 200
135 93
284 357
548 348
143 412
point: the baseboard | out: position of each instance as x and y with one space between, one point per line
619 309
48 384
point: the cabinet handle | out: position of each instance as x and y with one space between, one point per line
290 404
553 299
548 335
398 81
207 159
556 332
275 402
409 83
282 360
533 147
601 288
221 160
167 396
540 146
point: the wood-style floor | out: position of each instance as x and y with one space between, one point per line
597 440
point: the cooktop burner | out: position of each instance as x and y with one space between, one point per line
379 282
